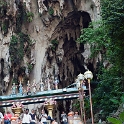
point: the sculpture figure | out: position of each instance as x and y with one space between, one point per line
20 88
48 84
41 85
34 86
28 88
56 81
14 89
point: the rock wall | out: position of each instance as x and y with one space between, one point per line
44 34
45 21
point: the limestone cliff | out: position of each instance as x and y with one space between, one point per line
37 40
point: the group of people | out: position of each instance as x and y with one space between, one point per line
30 118
71 118
27 118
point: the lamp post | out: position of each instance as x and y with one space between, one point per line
80 96
88 75
80 79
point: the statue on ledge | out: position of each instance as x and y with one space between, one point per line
34 86
47 81
20 88
56 82
28 88
41 85
13 89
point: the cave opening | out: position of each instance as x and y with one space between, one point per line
73 60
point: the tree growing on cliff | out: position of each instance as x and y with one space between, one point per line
106 38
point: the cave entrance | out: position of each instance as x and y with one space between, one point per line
67 32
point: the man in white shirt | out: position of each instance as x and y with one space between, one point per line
1 118
26 117
43 117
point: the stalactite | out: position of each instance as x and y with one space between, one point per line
77 31
68 34
73 34
80 23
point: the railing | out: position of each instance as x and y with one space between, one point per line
39 97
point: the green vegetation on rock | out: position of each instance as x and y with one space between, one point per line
106 38
54 44
51 11
119 120
20 46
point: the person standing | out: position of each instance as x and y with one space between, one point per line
1 118
77 119
70 117
26 117
33 117
64 118
7 118
43 117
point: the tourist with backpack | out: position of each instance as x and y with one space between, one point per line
33 117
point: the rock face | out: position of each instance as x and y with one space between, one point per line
38 40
